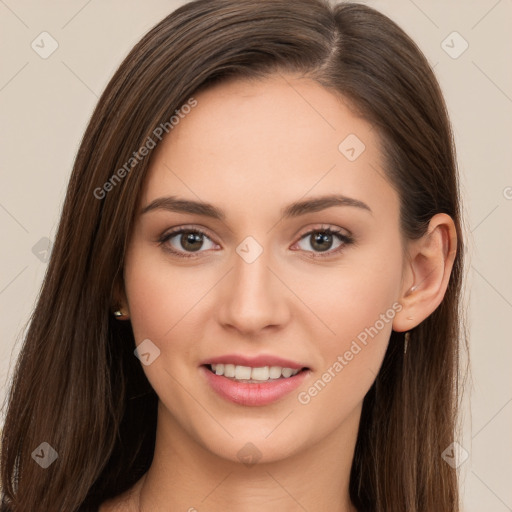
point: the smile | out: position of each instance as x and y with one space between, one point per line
264 386
250 374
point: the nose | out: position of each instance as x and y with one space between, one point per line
252 297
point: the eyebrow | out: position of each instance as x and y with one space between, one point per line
315 204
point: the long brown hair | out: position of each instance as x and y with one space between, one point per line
77 384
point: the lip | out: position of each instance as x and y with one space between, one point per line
256 361
252 394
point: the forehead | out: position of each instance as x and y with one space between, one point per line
247 142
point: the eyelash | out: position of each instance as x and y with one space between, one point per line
345 239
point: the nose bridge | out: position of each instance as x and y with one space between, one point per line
253 298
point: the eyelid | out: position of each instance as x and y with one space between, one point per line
325 227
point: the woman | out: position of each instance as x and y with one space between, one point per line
253 297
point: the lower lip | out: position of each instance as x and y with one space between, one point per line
245 393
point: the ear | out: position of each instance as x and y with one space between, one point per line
426 272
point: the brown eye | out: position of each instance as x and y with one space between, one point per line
321 241
327 241
191 241
183 241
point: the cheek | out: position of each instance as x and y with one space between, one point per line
357 309
354 295
350 359
169 305
159 294
162 301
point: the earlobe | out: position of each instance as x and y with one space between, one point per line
429 264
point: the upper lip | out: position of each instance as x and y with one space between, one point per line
255 361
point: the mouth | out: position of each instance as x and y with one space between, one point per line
253 375
253 385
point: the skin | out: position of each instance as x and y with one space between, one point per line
251 148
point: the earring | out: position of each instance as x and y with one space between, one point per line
119 314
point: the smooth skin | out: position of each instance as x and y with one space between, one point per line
250 149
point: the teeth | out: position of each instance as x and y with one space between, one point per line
242 372
260 373
275 372
247 373
286 372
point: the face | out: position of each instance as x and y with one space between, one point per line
255 282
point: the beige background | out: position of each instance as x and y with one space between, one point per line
46 104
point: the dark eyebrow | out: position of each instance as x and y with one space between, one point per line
316 204
173 204
295 209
